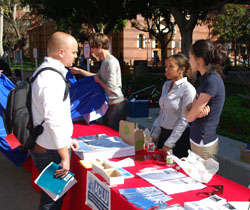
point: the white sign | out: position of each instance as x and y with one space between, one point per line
35 52
86 50
97 193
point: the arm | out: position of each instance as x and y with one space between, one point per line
75 70
97 79
198 107
64 154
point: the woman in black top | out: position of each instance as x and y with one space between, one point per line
205 110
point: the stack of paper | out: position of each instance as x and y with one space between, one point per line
54 187
103 147
214 202
171 181
144 197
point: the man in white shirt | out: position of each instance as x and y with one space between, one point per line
48 105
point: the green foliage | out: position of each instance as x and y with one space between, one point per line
235 119
71 15
231 25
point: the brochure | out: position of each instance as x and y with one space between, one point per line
54 187
102 147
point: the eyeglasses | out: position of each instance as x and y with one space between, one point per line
213 189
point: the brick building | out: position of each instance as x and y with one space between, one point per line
130 43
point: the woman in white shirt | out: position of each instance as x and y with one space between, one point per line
171 129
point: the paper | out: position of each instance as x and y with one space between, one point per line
161 175
125 173
88 163
102 147
97 193
54 187
144 197
178 185
127 162
12 141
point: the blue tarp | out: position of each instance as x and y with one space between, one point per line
88 102
88 99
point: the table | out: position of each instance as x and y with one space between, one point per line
75 198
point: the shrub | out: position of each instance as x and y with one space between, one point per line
235 119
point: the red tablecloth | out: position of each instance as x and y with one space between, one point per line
75 198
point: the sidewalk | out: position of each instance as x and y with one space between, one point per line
229 153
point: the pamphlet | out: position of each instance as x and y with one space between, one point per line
161 175
103 147
54 187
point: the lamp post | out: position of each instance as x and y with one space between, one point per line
147 40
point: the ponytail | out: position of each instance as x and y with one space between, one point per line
212 54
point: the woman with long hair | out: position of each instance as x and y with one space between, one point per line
204 112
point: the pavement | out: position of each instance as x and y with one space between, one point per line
16 191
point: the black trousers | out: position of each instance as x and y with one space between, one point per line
182 145
114 114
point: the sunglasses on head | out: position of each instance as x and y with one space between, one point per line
212 190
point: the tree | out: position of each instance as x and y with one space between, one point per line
231 26
81 17
187 13
12 29
157 21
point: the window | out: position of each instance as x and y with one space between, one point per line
156 43
177 44
140 41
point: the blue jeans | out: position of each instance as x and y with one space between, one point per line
41 160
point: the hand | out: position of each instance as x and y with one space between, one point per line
204 112
166 149
74 145
1 72
64 170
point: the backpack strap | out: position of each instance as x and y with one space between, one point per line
66 92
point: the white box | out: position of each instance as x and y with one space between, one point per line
111 175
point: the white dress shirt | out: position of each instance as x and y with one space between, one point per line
172 104
48 105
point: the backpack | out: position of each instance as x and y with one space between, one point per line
17 115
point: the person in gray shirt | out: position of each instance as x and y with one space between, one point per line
109 77
171 129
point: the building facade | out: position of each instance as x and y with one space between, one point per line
128 45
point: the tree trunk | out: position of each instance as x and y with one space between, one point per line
1 32
186 41
163 46
186 27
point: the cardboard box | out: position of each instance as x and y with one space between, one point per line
138 108
108 172
245 155
130 135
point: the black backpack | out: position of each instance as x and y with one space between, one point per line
17 115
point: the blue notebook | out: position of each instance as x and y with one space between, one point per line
54 187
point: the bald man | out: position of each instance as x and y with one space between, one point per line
48 106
